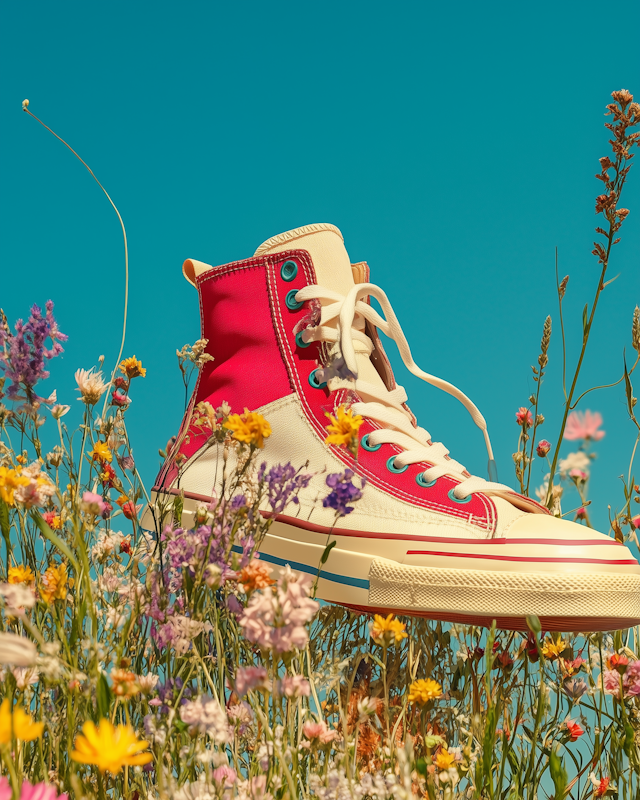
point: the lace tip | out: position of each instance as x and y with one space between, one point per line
493 471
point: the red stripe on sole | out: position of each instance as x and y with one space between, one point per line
543 560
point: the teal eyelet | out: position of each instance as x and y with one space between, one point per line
457 499
392 468
313 380
288 271
291 302
425 484
370 447
300 341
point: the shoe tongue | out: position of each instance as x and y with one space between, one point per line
325 245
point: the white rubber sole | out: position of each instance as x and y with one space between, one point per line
566 601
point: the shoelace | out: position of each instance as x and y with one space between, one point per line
341 323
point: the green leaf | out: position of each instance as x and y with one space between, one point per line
584 319
55 540
558 774
327 550
103 697
489 739
5 525
533 623
421 766
629 738
628 387
178 505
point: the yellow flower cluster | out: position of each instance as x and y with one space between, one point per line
10 480
17 724
251 428
424 690
553 650
54 583
21 574
110 748
132 368
387 630
343 428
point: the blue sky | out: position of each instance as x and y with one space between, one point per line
454 145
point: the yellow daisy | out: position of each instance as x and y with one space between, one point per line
251 428
422 691
132 368
110 748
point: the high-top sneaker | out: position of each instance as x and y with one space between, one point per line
426 538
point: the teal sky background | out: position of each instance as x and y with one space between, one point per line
455 146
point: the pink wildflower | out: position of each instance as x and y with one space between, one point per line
294 686
579 475
319 732
524 417
119 398
224 775
581 513
543 448
611 682
41 791
636 521
584 425
248 678
92 503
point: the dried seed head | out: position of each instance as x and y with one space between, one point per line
543 360
635 330
563 286
25 105
623 96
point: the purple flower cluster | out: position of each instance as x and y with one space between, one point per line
282 484
343 492
23 353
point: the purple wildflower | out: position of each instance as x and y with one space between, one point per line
336 369
238 502
343 492
283 483
23 353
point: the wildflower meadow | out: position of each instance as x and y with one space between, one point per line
165 661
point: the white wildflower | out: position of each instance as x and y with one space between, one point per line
579 460
206 716
25 676
17 597
17 650
90 385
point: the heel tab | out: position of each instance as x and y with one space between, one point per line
191 269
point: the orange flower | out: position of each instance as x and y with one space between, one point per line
444 759
129 508
602 787
575 731
54 583
256 575
553 650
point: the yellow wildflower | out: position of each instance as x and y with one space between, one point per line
10 480
343 428
18 725
387 630
552 650
21 574
250 427
444 759
132 368
422 691
110 748
54 583
101 452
